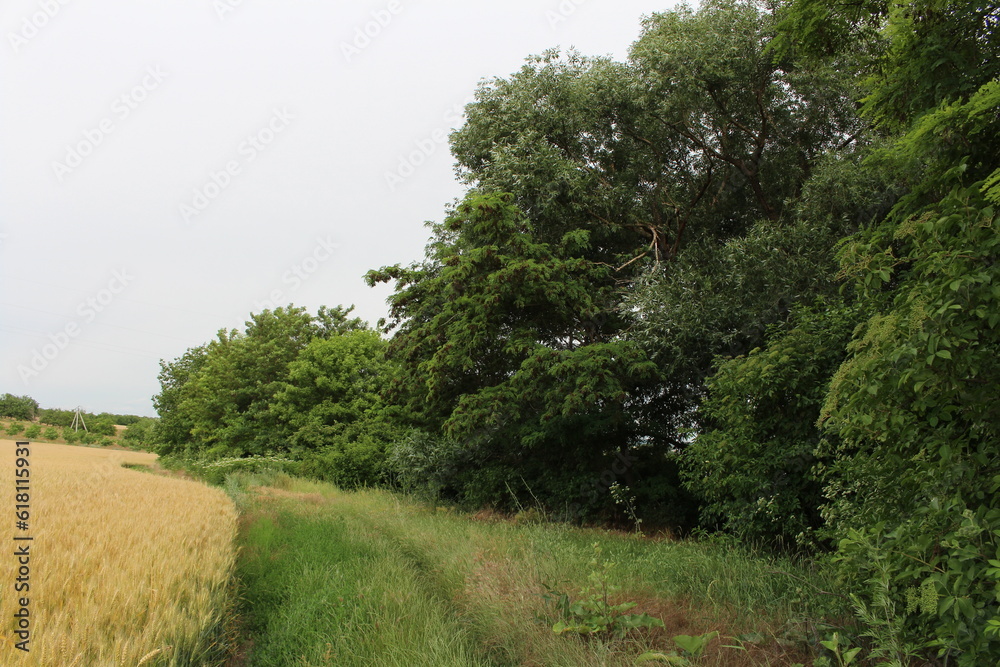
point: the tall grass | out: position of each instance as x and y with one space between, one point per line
127 568
368 578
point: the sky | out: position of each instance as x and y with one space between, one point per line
168 168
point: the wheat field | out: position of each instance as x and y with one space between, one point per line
126 567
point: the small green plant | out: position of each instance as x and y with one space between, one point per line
621 496
14 428
593 614
839 647
50 433
692 649
33 431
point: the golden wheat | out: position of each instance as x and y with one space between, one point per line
127 567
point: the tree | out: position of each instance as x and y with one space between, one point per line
720 297
176 378
332 412
18 407
698 135
512 338
508 346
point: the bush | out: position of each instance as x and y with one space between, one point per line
102 427
50 433
71 436
33 431
14 428
215 472
140 434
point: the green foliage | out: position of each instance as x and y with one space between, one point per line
305 387
14 428
332 411
919 381
141 434
839 646
914 411
719 299
506 345
753 466
216 471
18 407
692 649
103 426
33 431
57 417
50 433
593 614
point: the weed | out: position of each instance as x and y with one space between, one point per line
593 614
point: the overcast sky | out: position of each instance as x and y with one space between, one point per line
167 168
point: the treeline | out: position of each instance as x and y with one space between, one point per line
96 428
26 408
291 384
748 278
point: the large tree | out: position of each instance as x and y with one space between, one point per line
508 346
699 134
512 334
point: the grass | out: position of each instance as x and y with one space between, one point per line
127 568
369 578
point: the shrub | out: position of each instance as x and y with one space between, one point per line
50 433
215 472
33 431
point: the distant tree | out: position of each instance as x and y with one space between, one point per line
141 434
18 407
57 417
508 346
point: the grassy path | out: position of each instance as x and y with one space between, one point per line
320 591
364 578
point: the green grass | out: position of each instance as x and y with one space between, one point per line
369 578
